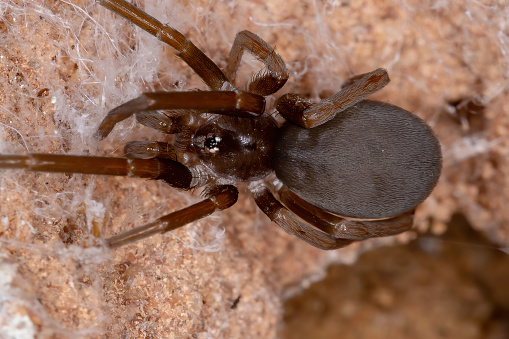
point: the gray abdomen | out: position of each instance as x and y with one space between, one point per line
373 160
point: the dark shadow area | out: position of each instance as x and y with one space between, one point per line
454 286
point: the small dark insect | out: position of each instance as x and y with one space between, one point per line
348 168
235 303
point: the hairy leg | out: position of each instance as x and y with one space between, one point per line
218 198
241 104
287 221
172 172
268 80
341 227
151 150
185 49
301 112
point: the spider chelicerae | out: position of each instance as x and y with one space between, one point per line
348 168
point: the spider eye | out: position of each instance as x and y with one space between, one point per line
213 144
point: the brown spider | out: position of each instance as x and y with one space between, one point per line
349 168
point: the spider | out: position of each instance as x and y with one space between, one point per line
348 168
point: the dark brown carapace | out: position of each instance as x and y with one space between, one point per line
348 168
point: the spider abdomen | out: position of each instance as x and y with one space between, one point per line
372 161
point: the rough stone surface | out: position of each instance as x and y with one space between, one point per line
64 64
447 287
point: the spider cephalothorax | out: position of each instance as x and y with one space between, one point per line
239 149
349 168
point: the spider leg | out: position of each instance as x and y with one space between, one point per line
286 220
240 104
219 198
167 122
356 89
172 172
185 49
344 228
268 80
150 150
